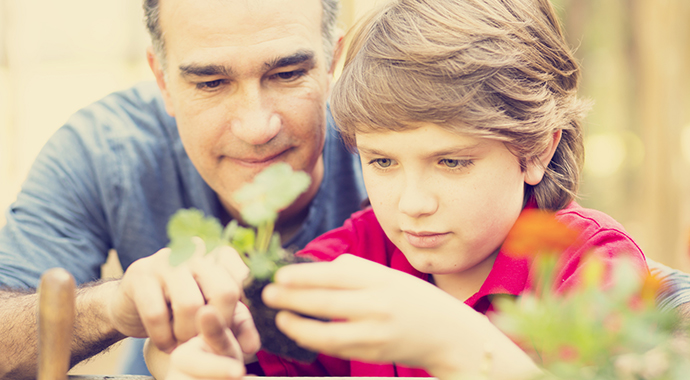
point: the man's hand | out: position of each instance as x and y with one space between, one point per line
159 301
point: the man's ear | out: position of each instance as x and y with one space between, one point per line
158 72
534 172
337 53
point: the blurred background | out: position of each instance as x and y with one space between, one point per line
56 57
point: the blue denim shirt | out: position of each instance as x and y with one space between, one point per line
112 176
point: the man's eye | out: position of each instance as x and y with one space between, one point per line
210 84
289 75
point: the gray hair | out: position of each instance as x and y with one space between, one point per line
329 17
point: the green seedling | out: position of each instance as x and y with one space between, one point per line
272 190
258 245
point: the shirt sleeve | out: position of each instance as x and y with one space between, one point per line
57 219
332 243
676 285
600 237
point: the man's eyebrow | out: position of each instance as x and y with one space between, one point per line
204 70
299 57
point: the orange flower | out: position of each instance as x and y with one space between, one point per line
537 231
651 286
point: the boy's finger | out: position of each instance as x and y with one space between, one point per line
212 328
345 272
244 329
189 361
327 303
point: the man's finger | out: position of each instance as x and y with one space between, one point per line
217 285
155 315
185 300
229 259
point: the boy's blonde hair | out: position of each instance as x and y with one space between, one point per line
497 69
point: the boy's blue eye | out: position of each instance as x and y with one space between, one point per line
451 163
383 162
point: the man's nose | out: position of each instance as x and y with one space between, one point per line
254 119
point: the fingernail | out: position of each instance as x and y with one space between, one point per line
279 276
269 293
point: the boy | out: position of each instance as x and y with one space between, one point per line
464 113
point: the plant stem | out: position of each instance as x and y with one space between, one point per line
263 236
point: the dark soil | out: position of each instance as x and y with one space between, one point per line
272 339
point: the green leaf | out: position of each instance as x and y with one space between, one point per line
243 240
272 190
186 224
182 248
258 212
261 266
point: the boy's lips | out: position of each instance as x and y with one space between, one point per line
425 239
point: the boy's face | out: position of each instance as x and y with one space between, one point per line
447 200
247 82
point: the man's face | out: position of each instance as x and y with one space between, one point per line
247 82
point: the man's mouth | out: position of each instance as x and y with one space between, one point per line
260 160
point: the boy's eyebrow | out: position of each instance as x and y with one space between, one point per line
456 150
370 151
204 70
299 57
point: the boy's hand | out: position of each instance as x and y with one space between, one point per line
378 314
213 354
383 315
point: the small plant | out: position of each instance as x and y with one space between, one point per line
587 333
259 246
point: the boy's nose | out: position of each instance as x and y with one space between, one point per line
254 119
417 200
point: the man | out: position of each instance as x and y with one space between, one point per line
245 84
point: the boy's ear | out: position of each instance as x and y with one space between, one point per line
157 70
534 172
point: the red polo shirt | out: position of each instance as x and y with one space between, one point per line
362 236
